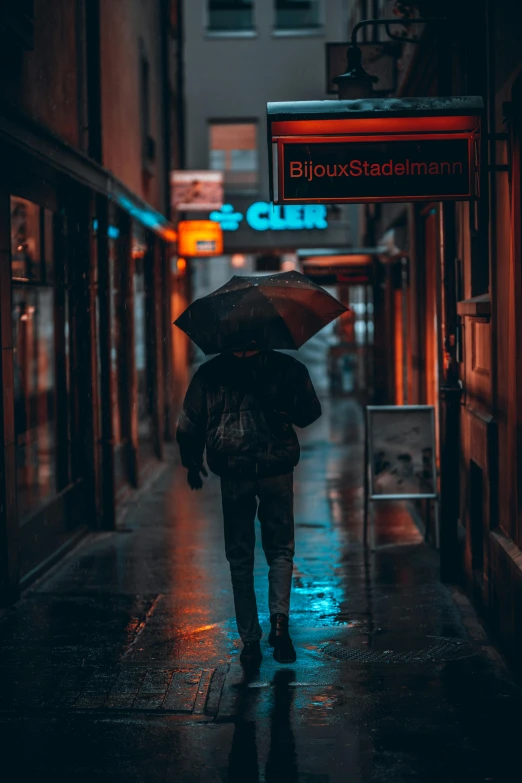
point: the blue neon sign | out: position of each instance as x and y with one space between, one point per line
228 217
263 216
112 231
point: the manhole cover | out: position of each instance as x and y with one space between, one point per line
440 650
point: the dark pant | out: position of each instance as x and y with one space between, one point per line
276 515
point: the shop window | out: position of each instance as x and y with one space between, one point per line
141 342
230 15
233 150
26 257
116 307
32 252
34 354
297 14
34 396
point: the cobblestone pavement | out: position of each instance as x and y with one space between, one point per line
122 664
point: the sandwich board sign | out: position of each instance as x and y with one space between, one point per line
400 457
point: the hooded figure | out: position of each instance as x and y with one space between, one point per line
241 408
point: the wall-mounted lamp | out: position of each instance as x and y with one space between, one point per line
356 83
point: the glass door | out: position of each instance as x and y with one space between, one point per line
34 359
142 344
46 442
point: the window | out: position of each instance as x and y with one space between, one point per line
230 15
233 150
34 339
297 14
142 254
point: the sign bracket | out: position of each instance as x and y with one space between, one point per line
396 20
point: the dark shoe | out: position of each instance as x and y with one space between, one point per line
251 654
280 640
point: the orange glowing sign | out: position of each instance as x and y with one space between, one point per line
200 238
414 149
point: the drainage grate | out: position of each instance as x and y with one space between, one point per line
441 650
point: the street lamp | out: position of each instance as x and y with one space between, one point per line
356 83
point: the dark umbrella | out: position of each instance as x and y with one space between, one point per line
269 311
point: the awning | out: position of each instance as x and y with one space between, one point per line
37 141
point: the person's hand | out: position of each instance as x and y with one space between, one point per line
194 479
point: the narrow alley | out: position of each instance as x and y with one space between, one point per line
123 664
261 270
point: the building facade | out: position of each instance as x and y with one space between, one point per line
88 135
450 293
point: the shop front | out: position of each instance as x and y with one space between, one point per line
84 393
46 426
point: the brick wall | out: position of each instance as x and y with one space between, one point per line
44 82
131 32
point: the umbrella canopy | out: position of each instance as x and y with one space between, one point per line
270 311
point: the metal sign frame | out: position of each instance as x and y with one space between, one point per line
374 121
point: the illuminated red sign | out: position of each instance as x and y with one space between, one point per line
200 238
374 150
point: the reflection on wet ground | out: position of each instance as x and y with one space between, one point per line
123 663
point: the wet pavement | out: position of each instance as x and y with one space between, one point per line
123 663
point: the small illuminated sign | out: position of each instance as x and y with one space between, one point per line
200 238
196 190
263 216
415 149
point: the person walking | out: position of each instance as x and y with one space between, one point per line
242 407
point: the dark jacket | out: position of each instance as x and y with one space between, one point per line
242 412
